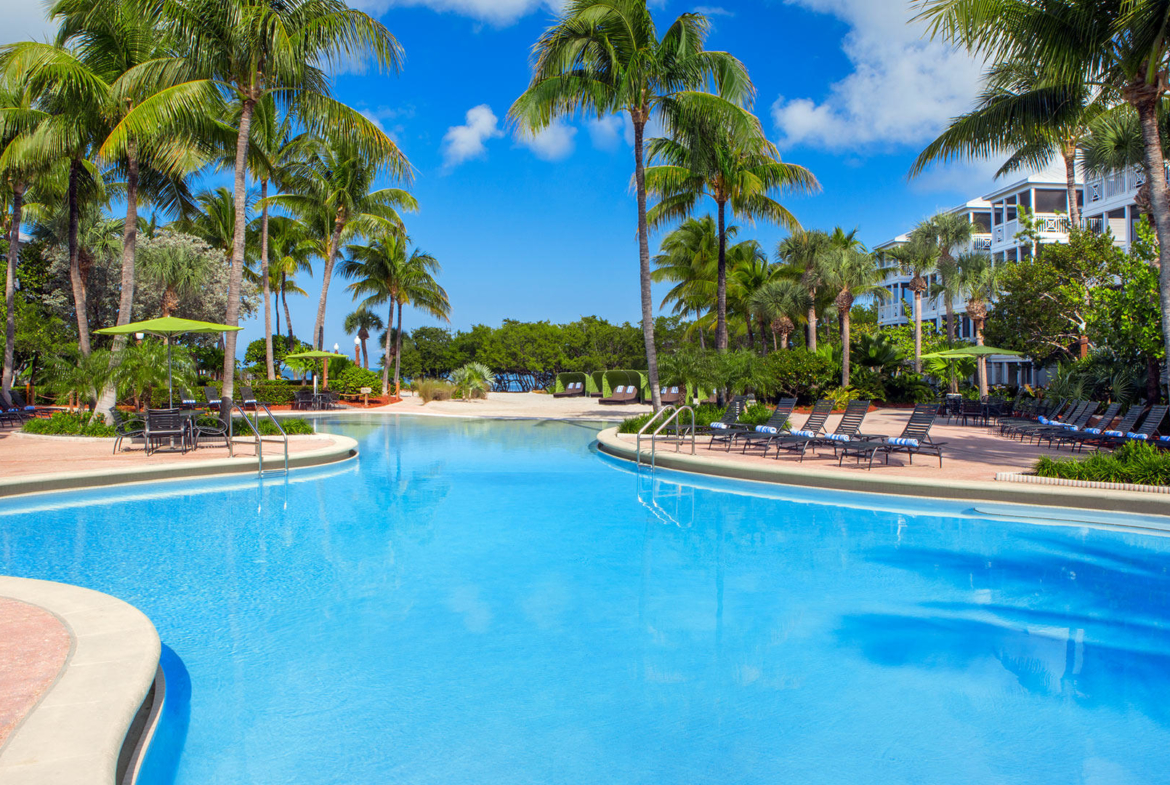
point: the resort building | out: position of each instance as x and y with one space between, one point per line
1106 204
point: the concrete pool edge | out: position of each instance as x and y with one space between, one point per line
1100 500
342 448
76 731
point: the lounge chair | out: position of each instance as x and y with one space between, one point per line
187 400
1147 432
914 439
1052 410
800 439
1074 423
165 425
211 427
1101 434
1068 414
125 427
849 428
762 434
27 409
247 397
211 398
670 396
727 421
623 393
572 389
1064 435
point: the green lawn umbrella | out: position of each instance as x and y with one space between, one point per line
317 354
971 351
167 327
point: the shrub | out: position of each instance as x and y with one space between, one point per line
473 380
293 426
841 396
908 387
354 378
868 385
68 424
755 414
433 389
279 392
1135 462
704 414
796 373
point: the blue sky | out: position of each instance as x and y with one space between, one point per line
545 228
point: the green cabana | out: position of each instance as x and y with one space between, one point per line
597 378
573 377
613 379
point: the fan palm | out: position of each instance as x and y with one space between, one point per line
850 273
179 267
605 57
361 322
331 190
783 303
1119 45
735 166
918 258
980 283
385 275
947 231
239 52
803 252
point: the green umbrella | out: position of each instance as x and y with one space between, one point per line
167 327
317 354
970 351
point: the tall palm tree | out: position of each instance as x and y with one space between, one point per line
332 191
213 220
1120 45
382 271
947 231
687 258
851 273
361 322
735 166
918 258
980 283
748 271
605 57
783 303
290 249
179 268
803 252
237 53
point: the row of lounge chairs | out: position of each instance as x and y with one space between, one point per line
21 410
845 441
1072 423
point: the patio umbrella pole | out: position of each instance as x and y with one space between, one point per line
170 386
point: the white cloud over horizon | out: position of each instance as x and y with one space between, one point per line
902 90
496 12
462 142
553 143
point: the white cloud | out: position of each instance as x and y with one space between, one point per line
462 142
384 117
970 178
24 20
496 12
609 132
713 10
902 91
553 143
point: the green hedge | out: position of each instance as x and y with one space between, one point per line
353 378
704 415
1135 462
68 424
279 392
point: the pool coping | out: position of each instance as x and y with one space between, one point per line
342 448
77 729
1098 499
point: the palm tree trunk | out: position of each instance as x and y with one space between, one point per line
290 339
10 289
812 326
235 280
1146 102
751 337
264 278
1069 154
775 347
398 348
365 356
721 287
386 361
845 348
949 302
330 260
917 332
981 362
79 299
639 119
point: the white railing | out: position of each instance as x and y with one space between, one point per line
1121 183
981 243
998 234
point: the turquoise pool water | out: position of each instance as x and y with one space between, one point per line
494 602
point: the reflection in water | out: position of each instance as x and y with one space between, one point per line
492 602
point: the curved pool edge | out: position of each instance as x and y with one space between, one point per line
1101 500
79 729
342 448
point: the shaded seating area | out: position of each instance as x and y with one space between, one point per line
125 427
572 384
622 394
572 390
671 396
166 428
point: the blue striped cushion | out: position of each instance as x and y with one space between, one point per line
1164 438
1068 426
1093 431
1044 420
836 437
1114 433
899 441
720 425
30 408
766 429
1139 436
805 434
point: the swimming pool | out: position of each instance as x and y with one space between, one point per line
493 602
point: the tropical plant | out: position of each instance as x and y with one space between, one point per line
688 258
736 166
748 272
143 368
979 282
803 252
361 322
177 264
947 231
80 378
782 303
918 259
237 53
473 380
605 57
432 389
289 251
875 352
850 274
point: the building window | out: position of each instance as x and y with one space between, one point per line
1051 200
982 221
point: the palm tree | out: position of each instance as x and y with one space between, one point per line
361 322
1119 45
803 252
290 247
605 57
748 271
239 52
980 283
918 258
383 272
688 258
782 302
732 165
331 190
1031 116
213 221
180 268
851 273
947 231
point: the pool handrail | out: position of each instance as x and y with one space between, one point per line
674 415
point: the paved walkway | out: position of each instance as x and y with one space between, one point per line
33 646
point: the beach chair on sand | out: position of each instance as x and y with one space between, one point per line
623 393
572 389
914 439
671 396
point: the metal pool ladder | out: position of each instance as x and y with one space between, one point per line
653 437
256 433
